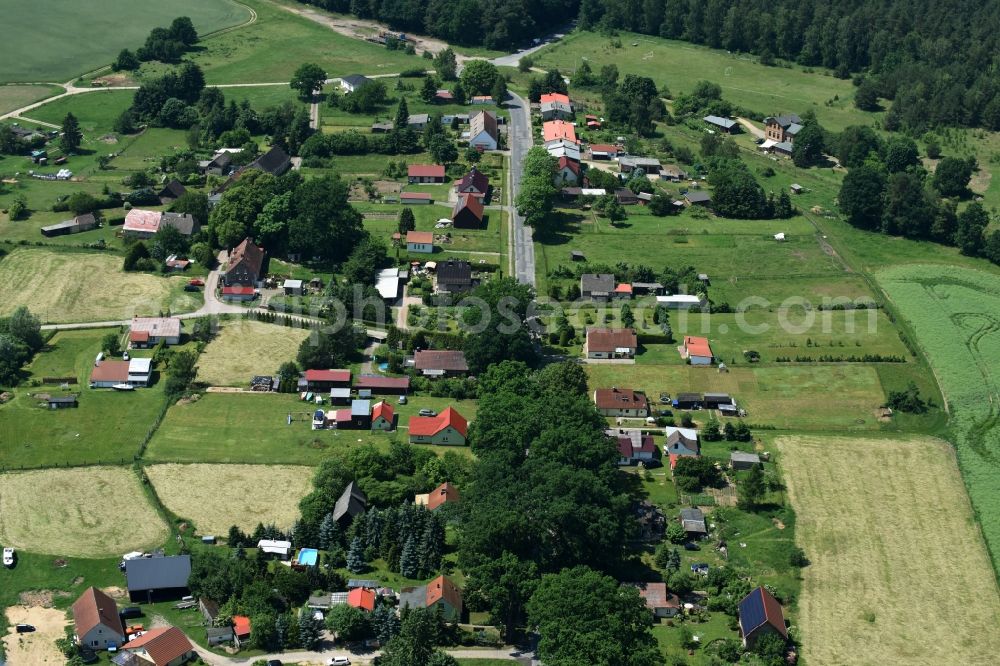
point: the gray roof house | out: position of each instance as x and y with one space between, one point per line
723 124
597 286
693 522
682 442
351 504
352 82
158 578
740 460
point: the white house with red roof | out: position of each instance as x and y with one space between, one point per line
659 600
616 343
696 350
621 402
425 173
420 241
383 416
165 646
324 380
443 494
449 428
634 447
96 624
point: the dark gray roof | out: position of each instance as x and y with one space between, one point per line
414 597
697 196
275 161
785 120
352 502
173 189
597 283
183 222
158 573
369 583
219 632
744 457
454 271
355 80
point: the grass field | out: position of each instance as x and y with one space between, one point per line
107 427
888 529
85 512
97 111
214 497
252 428
50 47
14 96
955 314
247 348
83 286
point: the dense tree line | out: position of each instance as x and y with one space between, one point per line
934 60
467 22
164 44
409 538
20 338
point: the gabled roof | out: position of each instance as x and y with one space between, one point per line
601 283
362 598
443 494
468 202
697 196
454 271
425 171
697 346
440 359
686 437
158 573
94 608
484 121
558 129
163 327
554 97
110 371
565 162
420 237
758 609
442 588
355 80
718 121
352 501
377 381
474 179
328 375
142 221
603 148
656 596
248 254
384 410
426 426
273 161
163 645
610 339
619 398
241 625
172 189
630 446
785 120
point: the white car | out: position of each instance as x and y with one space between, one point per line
8 557
339 661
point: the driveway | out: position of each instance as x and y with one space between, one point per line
520 142
358 658
750 127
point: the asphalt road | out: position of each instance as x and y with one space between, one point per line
519 140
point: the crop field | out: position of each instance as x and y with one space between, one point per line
107 427
83 286
804 397
85 512
744 81
14 96
870 515
243 349
253 428
955 315
215 497
48 46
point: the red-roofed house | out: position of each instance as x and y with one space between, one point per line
245 264
142 223
603 151
438 497
241 628
567 171
107 374
416 198
468 212
658 600
634 448
558 129
380 385
383 416
621 402
447 428
611 343
238 293
696 350
324 380
440 362
362 598
553 97
439 592
760 613
425 173
166 646
420 241
623 290
96 624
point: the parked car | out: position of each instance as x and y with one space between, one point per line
402 400
691 545
24 628
8 557
339 661
196 282
274 662
428 412
130 612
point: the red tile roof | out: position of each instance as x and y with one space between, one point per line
110 371
656 596
442 588
624 288
241 625
426 426
619 398
567 162
415 195
696 346
163 645
138 336
142 221
468 201
95 608
343 415
609 339
237 291
558 129
554 97
361 598
443 494
425 171
425 237
328 375
603 148
384 410
440 359
377 382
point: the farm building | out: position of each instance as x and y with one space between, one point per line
444 95
140 371
603 151
78 224
340 396
96 623
216 636
681 301
383 416
447 428
444 494
468 212
782 128
696 350
673 173
152 579
481 100
416 198
644 288
61 401
238 294
383 127
621 402
275 162
697 198
425 173
292 287
760 614
418 121
150 331
387 283
597 286
440 592
220 165
474 182
380 385
420 241
726 125
630 163
454 275
715 400
172 190
626 197
682 442
483 132
693 522
241 628
324 380
144 224
353 82
623 290
163 646
361 415
245 264
556 110
688 401
634 447
440 362
658 600
739 460
620 343
351 504
107 374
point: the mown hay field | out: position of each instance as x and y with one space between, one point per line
955 316
244 348
215 497
898 573
84 286
83 512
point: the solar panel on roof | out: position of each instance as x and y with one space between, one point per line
752 613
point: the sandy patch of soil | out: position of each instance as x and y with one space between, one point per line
37 648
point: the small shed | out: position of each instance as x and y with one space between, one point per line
340 395
292 287
219 636
740 460
796 188
576 255
61 402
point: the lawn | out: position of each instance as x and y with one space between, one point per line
811 397
382 220
86 512
49 46
246 348
97 111
14 97
215 497
253 428
107 427
887 527
745 82
953 313
84 286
